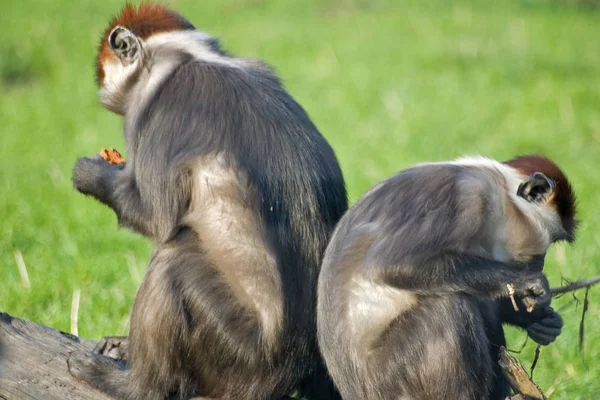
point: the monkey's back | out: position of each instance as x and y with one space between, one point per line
266 193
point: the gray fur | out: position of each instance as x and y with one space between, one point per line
411 298
195 331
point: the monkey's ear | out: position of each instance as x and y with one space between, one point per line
537 188
124 43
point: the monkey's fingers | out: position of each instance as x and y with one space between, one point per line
552 322
542 334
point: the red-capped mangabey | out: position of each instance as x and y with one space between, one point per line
240 192
413 288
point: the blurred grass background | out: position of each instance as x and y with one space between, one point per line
389 83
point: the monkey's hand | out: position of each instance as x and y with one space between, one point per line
95 177
534 291
545 330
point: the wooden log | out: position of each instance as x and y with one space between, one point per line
34 363
518 379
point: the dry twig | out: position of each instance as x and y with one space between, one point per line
511 294
536 357
582 322
586 283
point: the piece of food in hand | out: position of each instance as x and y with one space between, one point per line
112 156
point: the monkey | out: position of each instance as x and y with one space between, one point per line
240 192
414 286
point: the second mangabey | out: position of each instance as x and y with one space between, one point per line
415 283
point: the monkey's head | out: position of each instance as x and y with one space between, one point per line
123 52
547 189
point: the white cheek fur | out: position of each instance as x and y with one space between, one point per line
115 75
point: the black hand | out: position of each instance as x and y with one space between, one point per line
545 330
95 177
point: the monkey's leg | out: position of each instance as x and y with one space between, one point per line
436 350
153 369
190 335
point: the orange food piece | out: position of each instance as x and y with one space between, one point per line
112 156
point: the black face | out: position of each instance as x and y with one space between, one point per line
537 188
123 43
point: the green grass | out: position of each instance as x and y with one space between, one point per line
389 83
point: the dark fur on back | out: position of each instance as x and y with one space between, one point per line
191 332
269 139
300 192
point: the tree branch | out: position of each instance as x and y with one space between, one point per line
575 286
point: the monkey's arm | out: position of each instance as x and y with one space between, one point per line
151 205
451 272
542 325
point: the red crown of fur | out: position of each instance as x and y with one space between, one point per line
144 20
563 199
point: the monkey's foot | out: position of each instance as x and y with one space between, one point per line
115 347
102 373
87 366
80 364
